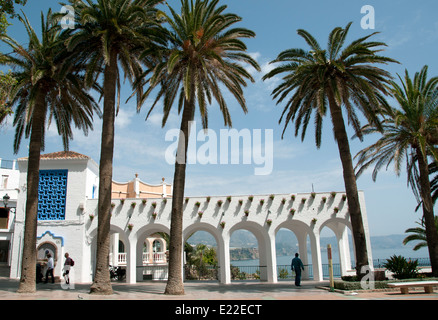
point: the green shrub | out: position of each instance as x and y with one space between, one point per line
357 285
402 268
283 274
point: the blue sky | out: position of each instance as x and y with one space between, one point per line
411 33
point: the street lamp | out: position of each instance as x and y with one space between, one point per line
6 200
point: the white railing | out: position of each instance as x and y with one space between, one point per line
158 257
154 257
147 258
121 259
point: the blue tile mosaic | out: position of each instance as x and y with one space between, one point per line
52 193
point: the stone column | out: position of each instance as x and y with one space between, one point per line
115 252
316 256
271 259
224 259
344 249
131 262
302 251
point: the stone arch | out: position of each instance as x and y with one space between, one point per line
145 231
121 235
141 262
340 227
47 246
334 223
266 245
222 246
113 228
202 226
301 230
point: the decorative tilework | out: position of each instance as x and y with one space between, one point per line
52 192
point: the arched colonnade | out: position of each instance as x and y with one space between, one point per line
263 215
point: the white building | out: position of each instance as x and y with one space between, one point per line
9 175
68 184
67 222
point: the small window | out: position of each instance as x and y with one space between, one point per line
4 182
121 246
4 218
4 250
156 246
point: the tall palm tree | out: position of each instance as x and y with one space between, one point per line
338 78
109 34
205 53
48 82
410 134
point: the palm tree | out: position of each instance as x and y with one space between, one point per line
410 134
433 171
48 82
418 234
107 34
205 53
338 78
7 83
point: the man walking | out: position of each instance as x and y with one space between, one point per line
297 266
50 266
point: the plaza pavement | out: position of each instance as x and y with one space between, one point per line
206 290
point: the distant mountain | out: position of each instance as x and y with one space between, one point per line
286 243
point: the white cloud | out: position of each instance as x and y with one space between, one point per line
230 182
124 118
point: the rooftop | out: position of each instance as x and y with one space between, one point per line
69 155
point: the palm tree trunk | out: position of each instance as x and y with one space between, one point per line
175 284
428 214
350 186
28 263
102 282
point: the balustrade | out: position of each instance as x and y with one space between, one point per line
147 258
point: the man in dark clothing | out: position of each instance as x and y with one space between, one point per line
297 266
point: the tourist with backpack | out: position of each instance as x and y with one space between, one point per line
69 262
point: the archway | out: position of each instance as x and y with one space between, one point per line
152 252
118 241
298 233
337 232
204 268
286 245
264 271
201 259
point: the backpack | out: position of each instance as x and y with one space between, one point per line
72 263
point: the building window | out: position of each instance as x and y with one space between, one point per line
4 182
52 193
121 246
94 196
156 246
4 218
4 251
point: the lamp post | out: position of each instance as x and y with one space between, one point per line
6 200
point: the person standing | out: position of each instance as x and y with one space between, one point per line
50 266
67 266
297 266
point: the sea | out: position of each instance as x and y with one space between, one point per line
378 254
